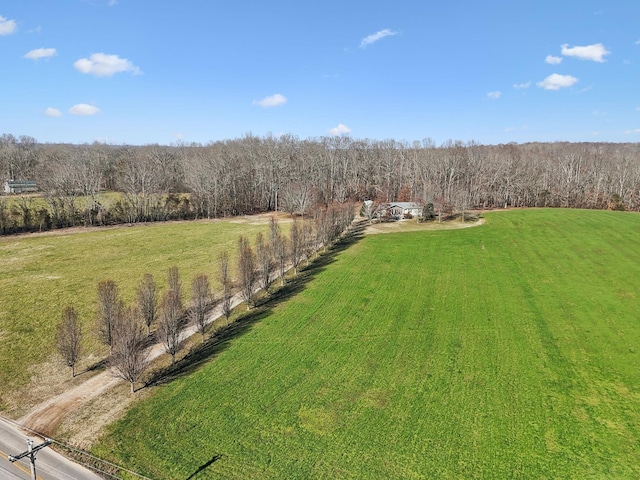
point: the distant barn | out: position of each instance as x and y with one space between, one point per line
20 186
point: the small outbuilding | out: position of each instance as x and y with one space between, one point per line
20 186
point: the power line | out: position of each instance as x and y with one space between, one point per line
31 453
76 451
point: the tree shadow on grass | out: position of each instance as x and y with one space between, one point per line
220 340
101 364
201 353
306 273
204 466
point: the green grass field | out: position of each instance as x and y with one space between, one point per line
41 274
511 350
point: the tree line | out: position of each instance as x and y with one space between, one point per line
259 174
129 330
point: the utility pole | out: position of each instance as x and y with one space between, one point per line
31 453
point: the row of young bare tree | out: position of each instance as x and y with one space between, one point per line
257 174
128 331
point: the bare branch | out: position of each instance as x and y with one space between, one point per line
246 270
200 299
129 358
264 253
169 323
109 308
148 300
68 337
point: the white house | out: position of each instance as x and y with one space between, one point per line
400 209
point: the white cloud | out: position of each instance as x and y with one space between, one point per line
637 42
520 86
84 109
494 95
7 27
636 130
103 65
52 112
339 130
556 82
595 52
39 53
272 101
553 60
376 36
112 3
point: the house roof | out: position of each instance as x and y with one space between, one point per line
12 183
405 205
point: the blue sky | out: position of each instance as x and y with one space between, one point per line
155 71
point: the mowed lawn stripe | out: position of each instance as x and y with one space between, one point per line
576 316
495 352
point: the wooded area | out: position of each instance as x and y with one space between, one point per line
258 174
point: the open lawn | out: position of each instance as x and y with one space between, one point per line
511 350
42 273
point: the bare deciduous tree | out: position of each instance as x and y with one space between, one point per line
109 309
264 254
296 245
321 229
173 279
308 240
225 281
246 270
170 323
148 300
367 210
129 358
68 337
298 197
280 249
200 299
274 230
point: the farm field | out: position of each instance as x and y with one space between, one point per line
511 350
42 273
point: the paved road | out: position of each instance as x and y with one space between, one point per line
49 464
